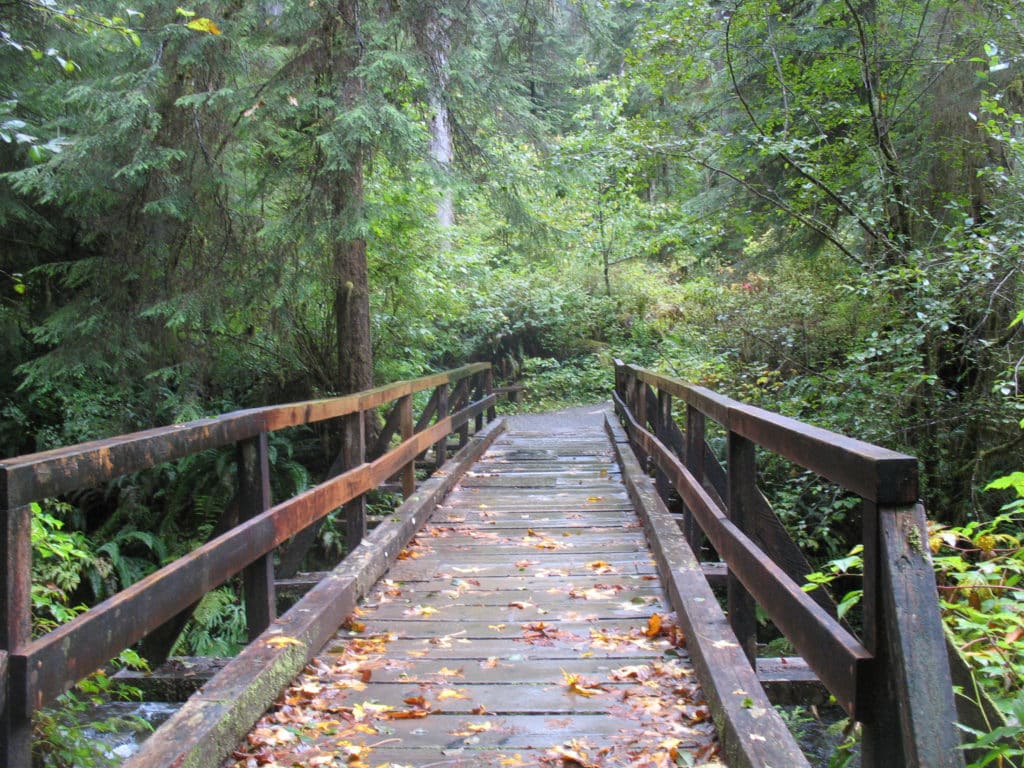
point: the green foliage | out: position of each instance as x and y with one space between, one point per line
217 627
840 568
61 560
980 567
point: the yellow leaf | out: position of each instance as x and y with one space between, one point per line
279 641
653 626
202 24
450 693
576 685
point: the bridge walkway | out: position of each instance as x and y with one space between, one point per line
524 625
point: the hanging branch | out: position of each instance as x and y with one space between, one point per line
831 194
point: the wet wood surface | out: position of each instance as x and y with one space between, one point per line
525 625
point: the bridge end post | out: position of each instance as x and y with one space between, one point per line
909 720
15 625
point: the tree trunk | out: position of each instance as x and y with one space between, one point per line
349 272
436 42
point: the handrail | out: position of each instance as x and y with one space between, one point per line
38 670
894 679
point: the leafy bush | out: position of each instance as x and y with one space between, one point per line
980 573
61 559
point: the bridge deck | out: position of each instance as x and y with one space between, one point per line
523 626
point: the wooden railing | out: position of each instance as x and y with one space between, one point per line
894 676
34 671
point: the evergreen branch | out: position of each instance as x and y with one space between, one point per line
831 194
820 227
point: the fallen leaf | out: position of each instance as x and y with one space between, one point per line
653 626
279 641
353 626
450 693
577 685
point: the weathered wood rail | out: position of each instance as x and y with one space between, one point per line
34 671
894 678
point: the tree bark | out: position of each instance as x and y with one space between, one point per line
349 272
435 40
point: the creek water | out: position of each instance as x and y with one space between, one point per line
124 740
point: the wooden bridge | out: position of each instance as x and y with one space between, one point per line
534 602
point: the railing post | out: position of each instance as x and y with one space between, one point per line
664 419
639 405
254 498
463 394
880 731
905 723
353 453
695 438
441 447
479 387
15 626
406 426
492 412
742 485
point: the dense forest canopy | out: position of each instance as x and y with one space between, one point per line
812 206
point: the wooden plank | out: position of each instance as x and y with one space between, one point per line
868 470
508 647
76 649
751 730
480 650
790 682
51 473
768 531
840 660
213 721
